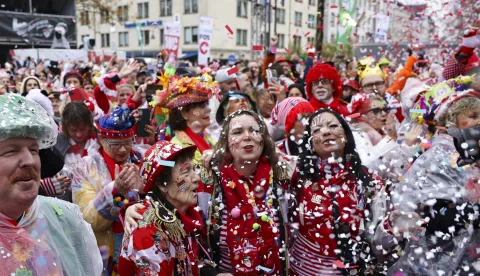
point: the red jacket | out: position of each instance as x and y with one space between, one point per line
145 250
336 105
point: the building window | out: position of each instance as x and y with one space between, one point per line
297 41
311 41
105 40
299 1
123 39
161 36
241 37
280 16
104 14
165 7
312 2
242 6
298 19
311 21
191 35
145 37
191 6
142 10
281 41
84 18
122 13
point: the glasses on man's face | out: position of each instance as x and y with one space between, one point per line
117 146
322 82
371 86
378 110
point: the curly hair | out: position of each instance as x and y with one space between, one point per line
222 155
449 118
308 160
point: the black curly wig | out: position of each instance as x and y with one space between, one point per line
308 159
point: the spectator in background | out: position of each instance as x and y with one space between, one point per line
349 89
255 78
296 90
28 84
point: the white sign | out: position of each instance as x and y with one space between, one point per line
382 24
171 40
204 39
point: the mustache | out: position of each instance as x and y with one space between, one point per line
26 173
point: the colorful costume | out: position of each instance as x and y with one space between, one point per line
247 222
93 185
180 93
165 242
325 71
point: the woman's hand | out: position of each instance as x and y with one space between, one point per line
151 134
390 126
140 93
277 89
129 68
128 179
131 217
411 137
404 222
64 182
207 156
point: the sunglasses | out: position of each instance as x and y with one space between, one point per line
321 82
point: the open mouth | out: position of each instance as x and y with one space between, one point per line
249 147
330 142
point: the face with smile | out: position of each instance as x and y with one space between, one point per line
322 90
328 136
123 94
197 117
19 175
31 84
117 149
182 191
245 141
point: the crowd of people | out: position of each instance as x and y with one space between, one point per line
280 166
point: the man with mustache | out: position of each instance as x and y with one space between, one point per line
324 89
38 235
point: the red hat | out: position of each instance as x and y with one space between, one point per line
156 158
472 67
282 59
286 112
324 71
353 84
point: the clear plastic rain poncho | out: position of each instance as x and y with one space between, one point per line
20 117
435 175
51 239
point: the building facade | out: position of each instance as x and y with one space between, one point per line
295 25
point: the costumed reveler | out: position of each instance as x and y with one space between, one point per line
38 235
246 230
339 206
187 98
107 179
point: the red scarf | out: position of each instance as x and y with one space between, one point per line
248 247
336 105
197 140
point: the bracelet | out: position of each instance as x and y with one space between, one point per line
119 200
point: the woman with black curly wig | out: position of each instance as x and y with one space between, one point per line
334 194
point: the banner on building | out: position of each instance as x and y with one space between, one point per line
382 23
204 39
34 29
171 40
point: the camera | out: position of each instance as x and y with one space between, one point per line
467 144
